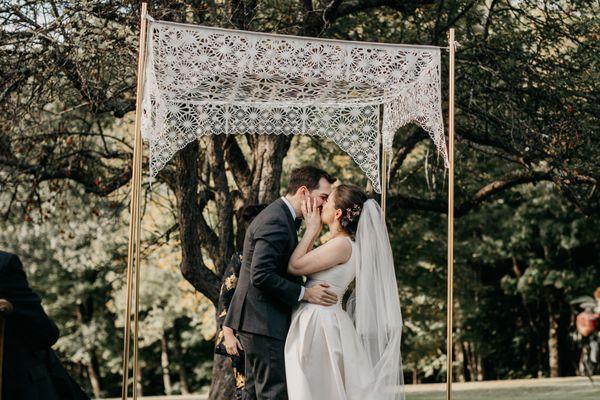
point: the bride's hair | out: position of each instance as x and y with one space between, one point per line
350 200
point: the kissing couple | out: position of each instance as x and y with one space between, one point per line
299 341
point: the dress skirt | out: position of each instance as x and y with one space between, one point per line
324 359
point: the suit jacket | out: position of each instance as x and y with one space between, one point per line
266 294
31 369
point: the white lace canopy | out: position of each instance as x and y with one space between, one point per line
203 81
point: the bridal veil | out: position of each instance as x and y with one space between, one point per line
374 306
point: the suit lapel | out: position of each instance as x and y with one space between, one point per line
288 213
290 219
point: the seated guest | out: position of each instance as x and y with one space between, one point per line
31 369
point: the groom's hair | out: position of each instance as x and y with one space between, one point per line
308 176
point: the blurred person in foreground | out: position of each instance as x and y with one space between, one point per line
31 370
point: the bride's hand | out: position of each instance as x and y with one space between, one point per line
312 216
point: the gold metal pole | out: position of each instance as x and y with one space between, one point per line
137 281
133 254
450 288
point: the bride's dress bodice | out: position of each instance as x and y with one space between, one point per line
339 277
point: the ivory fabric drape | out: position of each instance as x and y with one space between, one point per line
209 81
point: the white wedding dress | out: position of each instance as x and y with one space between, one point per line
331 354
323 353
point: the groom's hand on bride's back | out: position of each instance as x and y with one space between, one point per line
320 294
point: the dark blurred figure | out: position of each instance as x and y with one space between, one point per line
227 340
587 324
31 370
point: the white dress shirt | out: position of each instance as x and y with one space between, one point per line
286 201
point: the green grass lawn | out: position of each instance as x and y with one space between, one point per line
572 388
579 392
582 393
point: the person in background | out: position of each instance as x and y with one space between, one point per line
595 338
31 370
227 343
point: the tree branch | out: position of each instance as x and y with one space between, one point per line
193 268
238 165
92 183
407 146
315 21
214 151
474 200
353 7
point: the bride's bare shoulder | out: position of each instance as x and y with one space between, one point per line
342 246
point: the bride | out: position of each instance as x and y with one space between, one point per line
332 354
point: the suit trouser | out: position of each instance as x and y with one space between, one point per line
265 367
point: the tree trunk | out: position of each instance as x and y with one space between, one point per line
222 386
81 372
471 361
94 380
164 364
140 384
553 357
480 371
269 151
216 158
92 367
192 265
460 361
183 382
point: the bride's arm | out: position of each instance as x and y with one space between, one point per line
305 262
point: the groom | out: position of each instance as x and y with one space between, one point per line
266 294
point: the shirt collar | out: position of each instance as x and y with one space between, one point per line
287 202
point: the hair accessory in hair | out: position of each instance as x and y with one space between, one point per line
351 213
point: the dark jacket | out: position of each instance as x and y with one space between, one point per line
266 294
31 370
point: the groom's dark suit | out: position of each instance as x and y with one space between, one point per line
264 298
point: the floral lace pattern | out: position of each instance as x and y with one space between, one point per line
201 81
